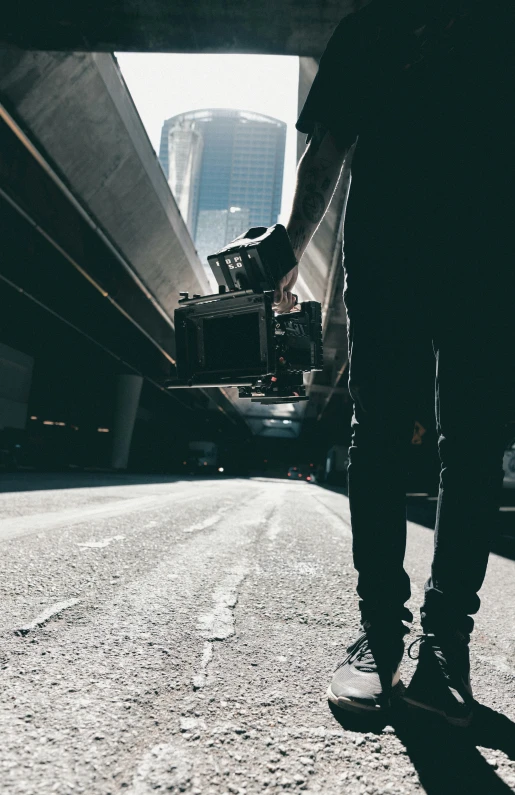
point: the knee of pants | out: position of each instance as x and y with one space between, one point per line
384 431
475 456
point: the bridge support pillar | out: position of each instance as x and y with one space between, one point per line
128 391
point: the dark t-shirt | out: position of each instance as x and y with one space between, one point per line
430 99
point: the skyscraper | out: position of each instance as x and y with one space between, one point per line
225 169
184 150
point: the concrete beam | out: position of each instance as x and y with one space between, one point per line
282 27
78 112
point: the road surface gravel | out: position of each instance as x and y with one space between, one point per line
165 635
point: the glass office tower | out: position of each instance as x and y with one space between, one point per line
225 169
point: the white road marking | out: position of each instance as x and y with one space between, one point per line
219 624
209 522
101 544
46 615
23 525
199 680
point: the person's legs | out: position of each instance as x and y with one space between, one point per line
386 349
470 415
473 364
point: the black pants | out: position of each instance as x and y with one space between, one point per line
397 313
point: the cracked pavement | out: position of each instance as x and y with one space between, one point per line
159 635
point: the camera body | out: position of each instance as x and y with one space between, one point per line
234 338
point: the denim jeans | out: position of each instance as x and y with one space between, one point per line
401 315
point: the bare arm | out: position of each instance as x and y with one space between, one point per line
317 176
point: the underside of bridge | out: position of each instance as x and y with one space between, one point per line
280 27
92 234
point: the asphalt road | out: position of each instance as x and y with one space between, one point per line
172 636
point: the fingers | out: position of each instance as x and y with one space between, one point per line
287 302
284 301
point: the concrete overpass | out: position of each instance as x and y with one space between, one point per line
90 231
93 190
282 27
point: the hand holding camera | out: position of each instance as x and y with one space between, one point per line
246 335
284 299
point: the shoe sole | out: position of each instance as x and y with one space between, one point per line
351 705
462 723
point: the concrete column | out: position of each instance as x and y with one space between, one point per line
128 391
15 382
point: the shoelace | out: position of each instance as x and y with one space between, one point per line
360 652
417 641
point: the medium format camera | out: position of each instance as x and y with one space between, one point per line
234 338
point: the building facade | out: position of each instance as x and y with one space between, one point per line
225 169
184 152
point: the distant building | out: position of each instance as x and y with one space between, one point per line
215 228
225 169
184 155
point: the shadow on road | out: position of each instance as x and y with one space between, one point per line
421 510
45 481
446 759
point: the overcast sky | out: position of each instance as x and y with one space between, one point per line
163 85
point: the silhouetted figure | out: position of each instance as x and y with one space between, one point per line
425 88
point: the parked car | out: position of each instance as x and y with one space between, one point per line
302 473
294 473
202 459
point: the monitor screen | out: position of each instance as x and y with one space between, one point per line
232 342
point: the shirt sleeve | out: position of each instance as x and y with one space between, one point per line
336 96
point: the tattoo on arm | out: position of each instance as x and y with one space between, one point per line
298 238
317 177
313 206
324 163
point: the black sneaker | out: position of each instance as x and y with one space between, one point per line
369 677
441 682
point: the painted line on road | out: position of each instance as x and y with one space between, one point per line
209 522
219 624
101 544
24 525
199 680
216 517
45 616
